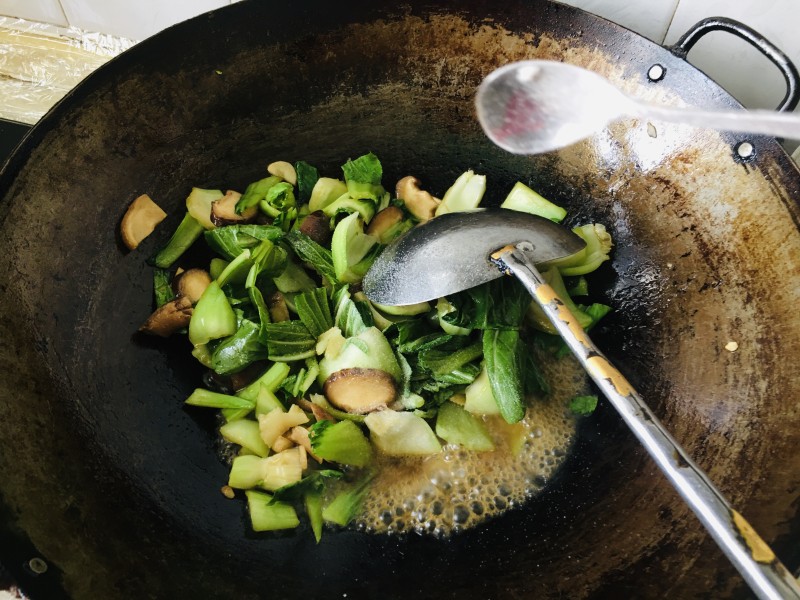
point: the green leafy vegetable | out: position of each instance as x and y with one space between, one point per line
499 304
279 199
232 240
313 482
307 177
500 352
346 504
162 286
239 350
314 311
363 177
288 340
311 252
583 405
350 249
255 193
351 316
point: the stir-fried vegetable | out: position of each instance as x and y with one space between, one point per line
312 379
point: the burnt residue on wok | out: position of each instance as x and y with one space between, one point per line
109 479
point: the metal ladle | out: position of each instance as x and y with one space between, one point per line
536 106
456 251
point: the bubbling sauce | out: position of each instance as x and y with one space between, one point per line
457 489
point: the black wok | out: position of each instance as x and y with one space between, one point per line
114 484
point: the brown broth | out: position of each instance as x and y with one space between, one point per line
457 489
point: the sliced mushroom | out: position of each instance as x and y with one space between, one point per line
223 211
140 220
360 391
418 202
384 221
284 170
278 309
317 226
169 318
191 284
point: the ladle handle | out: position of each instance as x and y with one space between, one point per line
763 122
758 565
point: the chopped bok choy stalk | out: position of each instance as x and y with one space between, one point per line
351 249
465 194
524 199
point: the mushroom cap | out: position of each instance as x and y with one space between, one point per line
418 202
360 391
191 284
223 211
169 318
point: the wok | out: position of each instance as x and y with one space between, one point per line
114 484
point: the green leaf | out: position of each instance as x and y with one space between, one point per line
363 178
313 502
288 340
307 177
499 304
364 169
232 240
313 482
278 200
314 311
239 350
442 362
500 351
533 380
311 252
351 316
346 504
255 193
583 405
162 286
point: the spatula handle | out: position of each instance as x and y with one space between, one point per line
754 559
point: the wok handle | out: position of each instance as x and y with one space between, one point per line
755 39
758 565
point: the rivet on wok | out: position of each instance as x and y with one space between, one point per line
745 150
656 73
37 566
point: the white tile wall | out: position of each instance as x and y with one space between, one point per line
650 18
733 63
44 11
134 19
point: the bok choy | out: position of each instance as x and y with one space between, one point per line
314 382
